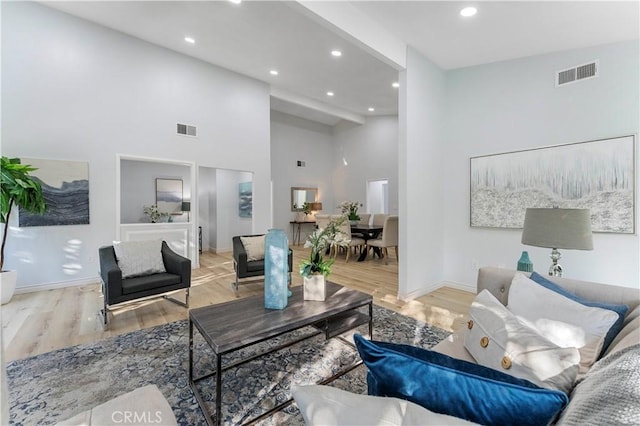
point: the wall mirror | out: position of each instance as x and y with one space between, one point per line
299 196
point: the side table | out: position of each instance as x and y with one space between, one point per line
295 229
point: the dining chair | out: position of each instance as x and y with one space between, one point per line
345 229
364 218
322 220
379 218
389 238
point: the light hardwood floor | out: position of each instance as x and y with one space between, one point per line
34 323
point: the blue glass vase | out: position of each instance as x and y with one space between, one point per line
276 269
524 263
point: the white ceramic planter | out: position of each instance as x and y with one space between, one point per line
314 287
7 285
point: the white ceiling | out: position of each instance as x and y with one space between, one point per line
503 30
256 36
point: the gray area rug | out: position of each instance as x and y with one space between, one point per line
54 386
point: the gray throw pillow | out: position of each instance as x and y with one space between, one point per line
136 258
254 246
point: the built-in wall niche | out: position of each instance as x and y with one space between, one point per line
145 183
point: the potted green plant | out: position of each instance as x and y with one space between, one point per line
306 209
153 213
316 268
19 189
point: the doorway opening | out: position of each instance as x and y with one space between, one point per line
378 196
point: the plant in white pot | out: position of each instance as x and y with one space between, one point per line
316 268
19 189
350 209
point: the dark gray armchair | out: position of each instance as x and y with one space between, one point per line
118 290
247 269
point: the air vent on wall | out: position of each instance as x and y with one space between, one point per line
577 73
186 130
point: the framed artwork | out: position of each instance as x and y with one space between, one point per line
65 186
245 197
169 195
598 175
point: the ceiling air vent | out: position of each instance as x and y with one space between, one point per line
186 130
577 73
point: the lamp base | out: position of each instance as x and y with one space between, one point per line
555 270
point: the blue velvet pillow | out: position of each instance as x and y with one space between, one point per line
458 388
621 310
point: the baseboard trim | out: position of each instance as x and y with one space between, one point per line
57 285
471 288
424 291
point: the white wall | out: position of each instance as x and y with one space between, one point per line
515 105
138 188
294 139
228 221
421 175
76 91
371 152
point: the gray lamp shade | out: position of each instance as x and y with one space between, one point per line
186 206
558 228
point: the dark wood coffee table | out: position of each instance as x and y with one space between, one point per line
230 326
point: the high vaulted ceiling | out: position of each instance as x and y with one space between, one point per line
255 37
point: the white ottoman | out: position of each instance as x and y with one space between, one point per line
143 406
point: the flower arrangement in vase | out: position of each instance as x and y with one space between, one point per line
316 268
153 213
350 209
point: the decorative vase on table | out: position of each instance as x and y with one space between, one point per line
314 287
524 263
276 269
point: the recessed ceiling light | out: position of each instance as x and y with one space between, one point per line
236 1
190 40
336 53
468 11
395 84
273 72
330 93
371 109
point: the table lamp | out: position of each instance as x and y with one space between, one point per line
558 228
316 206
186 207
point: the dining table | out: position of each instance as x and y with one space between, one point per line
368 232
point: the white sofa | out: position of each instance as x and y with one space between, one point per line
589 399
608 393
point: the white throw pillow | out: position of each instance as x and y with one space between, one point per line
563 321
137 258
498 340
328 406
254 246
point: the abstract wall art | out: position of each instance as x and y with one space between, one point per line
245 203
65 186
598 175
169 195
